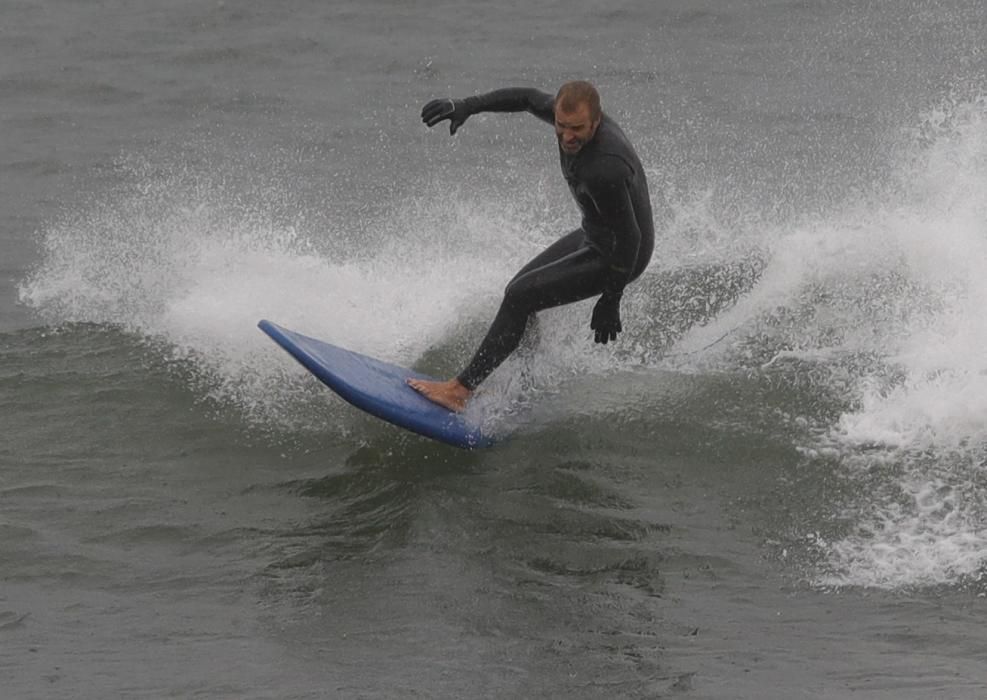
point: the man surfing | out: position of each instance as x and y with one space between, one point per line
610 249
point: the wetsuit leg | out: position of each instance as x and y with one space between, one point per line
569 243
567 271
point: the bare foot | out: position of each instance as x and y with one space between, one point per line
448 394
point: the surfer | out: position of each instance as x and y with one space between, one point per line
610 249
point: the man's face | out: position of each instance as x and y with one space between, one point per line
574 129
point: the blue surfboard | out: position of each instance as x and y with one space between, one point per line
378 388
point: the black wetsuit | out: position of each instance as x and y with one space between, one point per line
611 248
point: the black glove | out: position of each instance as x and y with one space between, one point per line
455 111
606 318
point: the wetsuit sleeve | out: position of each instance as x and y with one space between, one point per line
609 189
536 102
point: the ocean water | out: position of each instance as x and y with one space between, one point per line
773 486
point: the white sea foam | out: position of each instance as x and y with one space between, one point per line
900 276
931 424
185 262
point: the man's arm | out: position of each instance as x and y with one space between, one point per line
535 102
608 188
457 111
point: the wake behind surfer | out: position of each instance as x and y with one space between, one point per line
610 249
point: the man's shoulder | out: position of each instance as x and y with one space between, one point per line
606 166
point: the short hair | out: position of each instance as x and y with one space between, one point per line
578 92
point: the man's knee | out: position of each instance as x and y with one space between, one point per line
518 295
